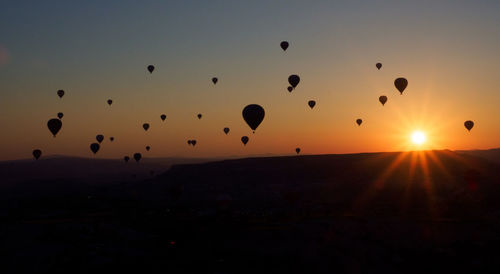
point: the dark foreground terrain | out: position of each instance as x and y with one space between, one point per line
415 212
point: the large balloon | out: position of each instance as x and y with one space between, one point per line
293 80
163 117
99 138
94 147
199 115
148 148
110 102
151 68
359 121
54 126
145 126
244 140
297 150
137 157
469 125
126 158
401 84
60 93
289 88
311 103
378 65
284 45
226 130
382 99
214 80
253 114
37 153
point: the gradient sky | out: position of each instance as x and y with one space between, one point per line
95 50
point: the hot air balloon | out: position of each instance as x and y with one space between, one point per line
145 126
289 88
148 148
401 84
99 138
297 150
189 142
60 93
151 68
382 99
94 147
244 140
226 130
193 142
293 80
284 45
469 125
54 126
60 115
37 153
378 65
253 114
199 115
137 157
311 103
359 121
126 158
163 117
214 80
111 139
110 102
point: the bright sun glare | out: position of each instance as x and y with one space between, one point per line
418 137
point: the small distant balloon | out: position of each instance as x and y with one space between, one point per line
244 140
382 99
189 142
401 84
111 139
148 148
193 142
311 103
99 138
151 68
469 125
214 80
60 115
110 102
297 150
94 147
253 115
293 80
284 45
145 126
289 88
37 153
226 130
163 117
359 121
378 65
199 115
126 159
60 93
54 126
137 157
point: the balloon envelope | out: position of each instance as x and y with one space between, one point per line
148 148
145 126
163 117
289 88
284 45
60 115
111 139
469 125
110 102
226 130
214 80
293 80
37 153
297 150
54 126
137 157
199 116
378 65
382 99
401 84
311 103
151 68
359 121
99 138
126 158
189 142
193 142
253 115
94 147
60 93
244 140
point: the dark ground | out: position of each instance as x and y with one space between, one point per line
356 213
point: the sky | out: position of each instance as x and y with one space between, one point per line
99 50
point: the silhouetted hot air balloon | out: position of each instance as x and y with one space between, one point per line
469 125
311 103
289 88
54 126
148 148
284 45
359 121
293 80
94 147
111 139
253 114
110 102
244 140
99 138
297 150
163 117
145 126
382 99
60 115
378 65
226 130
199 115
189 142
214 80
151 68
401 84
37 153
126 159
137 157
193 142
60 93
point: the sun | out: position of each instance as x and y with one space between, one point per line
418 137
